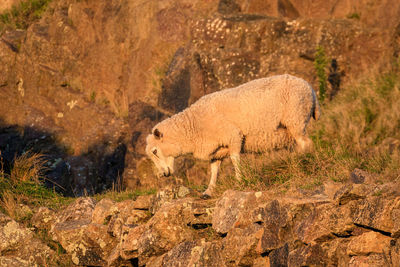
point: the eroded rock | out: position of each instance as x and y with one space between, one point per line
30 250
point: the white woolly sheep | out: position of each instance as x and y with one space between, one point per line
257 116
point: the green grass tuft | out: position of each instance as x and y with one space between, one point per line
23 186
320 64
22 15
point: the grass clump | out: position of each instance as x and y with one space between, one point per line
22 15
22 188
320 63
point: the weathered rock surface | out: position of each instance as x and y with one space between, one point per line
236 229
20 247
85 83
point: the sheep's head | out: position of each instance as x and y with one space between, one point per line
158 151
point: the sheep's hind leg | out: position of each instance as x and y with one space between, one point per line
214 173
235 157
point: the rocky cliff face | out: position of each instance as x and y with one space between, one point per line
356 224
87 81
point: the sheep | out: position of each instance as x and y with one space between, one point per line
256 116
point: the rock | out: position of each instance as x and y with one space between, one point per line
125 215
369 243
166 195
10 261
95 108
378 260
7 4
163 231
241 246
262 262
16 238
307 255
43 218
359 176
103 211
350 192
130 241
88 243
143 202
381 214
319 223
192 253
80 210
228 209
183 192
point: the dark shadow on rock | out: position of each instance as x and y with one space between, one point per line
100 169
16 140
175 92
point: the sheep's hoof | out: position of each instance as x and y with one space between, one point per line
205 196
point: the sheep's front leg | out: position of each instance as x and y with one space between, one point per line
235 147
213 181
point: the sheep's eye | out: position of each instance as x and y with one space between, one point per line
155 151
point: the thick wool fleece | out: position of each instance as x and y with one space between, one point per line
259 115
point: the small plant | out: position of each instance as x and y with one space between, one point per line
354 15
320 63
93 97
22 15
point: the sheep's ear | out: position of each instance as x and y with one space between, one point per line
157 134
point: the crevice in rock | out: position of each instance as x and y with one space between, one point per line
266 253
374 229
135 262
346 234
199 226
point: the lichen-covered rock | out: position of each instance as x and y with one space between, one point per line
103 211
229 208
351 192
307 255
124 214
43 218
30 250
192 253
80 210
241 246
88 243
11 261
318 223
167 228
382 214
130 241
143 202
368 243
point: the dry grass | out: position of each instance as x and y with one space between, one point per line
9 204
22 187
27 167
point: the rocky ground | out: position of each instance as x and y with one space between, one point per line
353 224
85 82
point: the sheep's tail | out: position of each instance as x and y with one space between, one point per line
316 111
